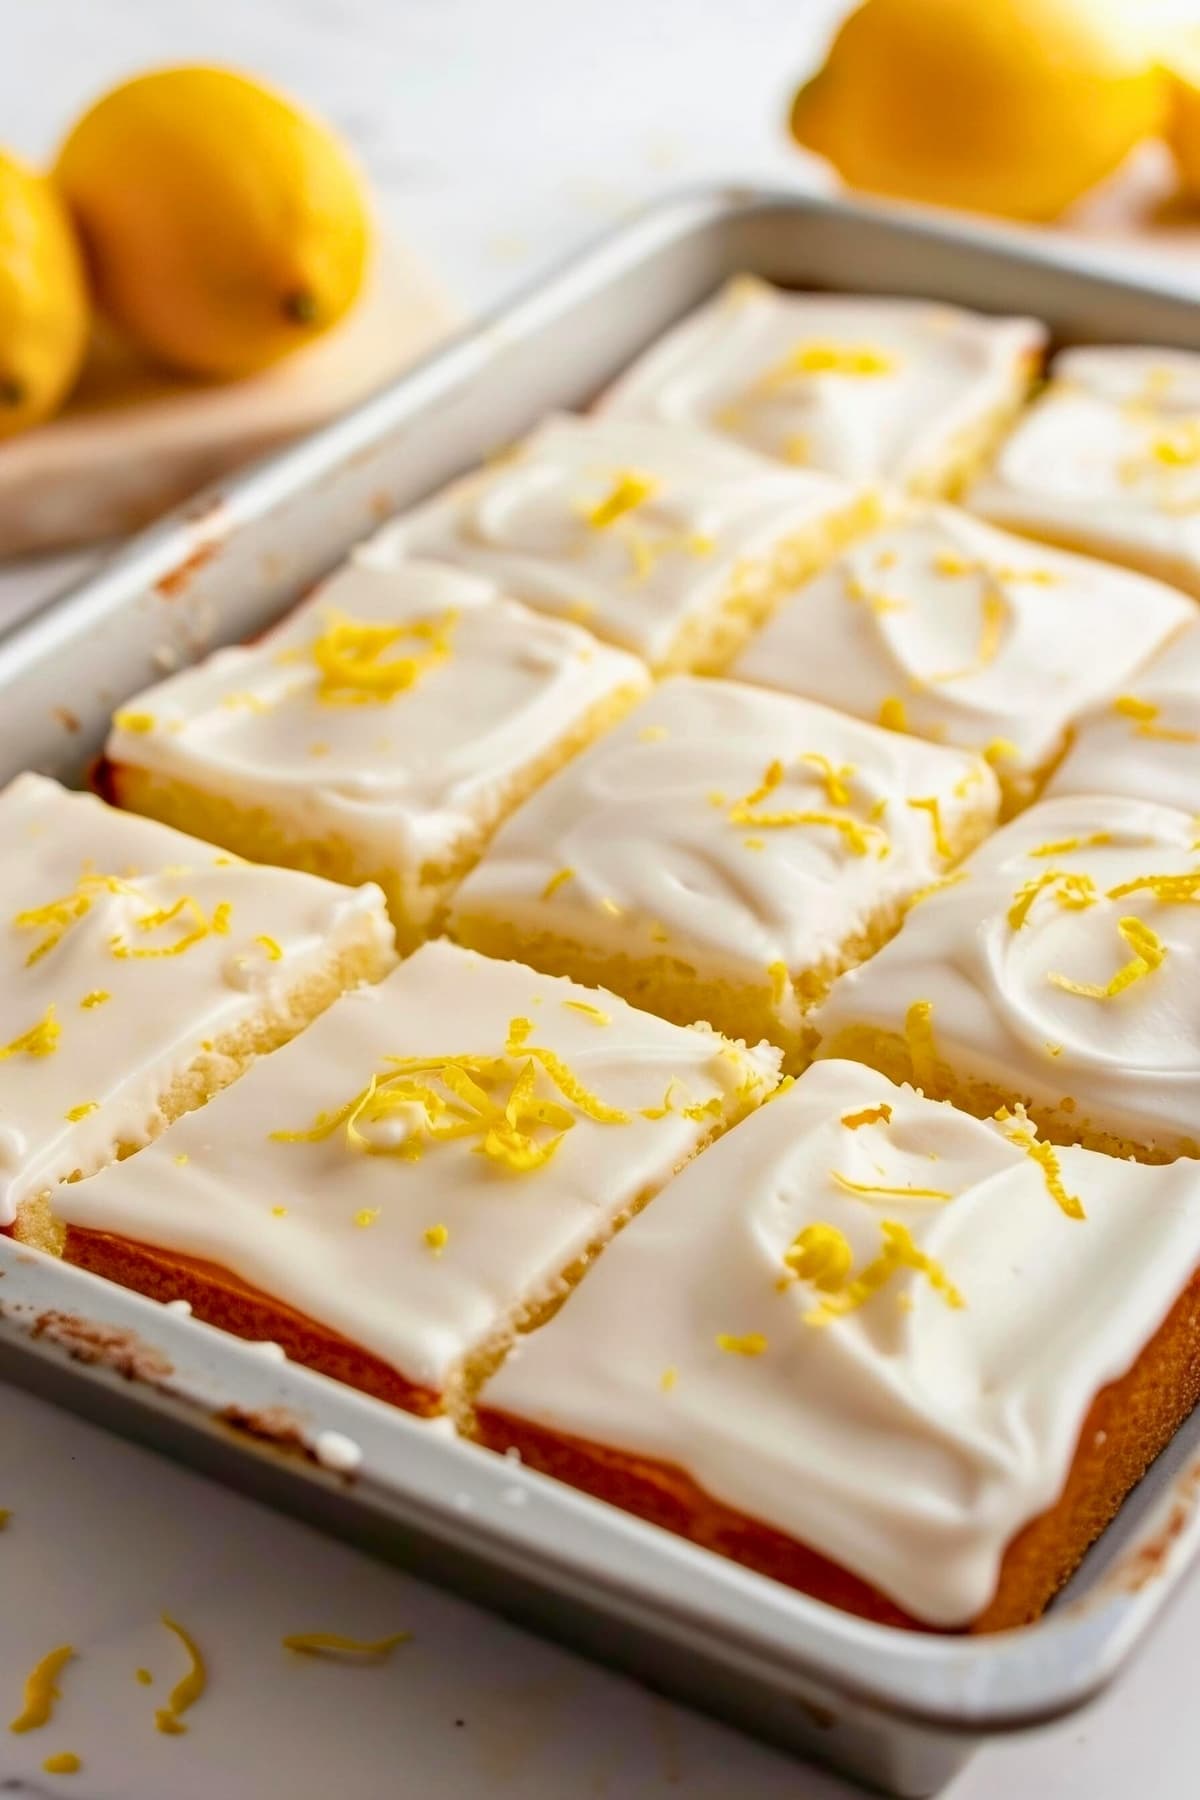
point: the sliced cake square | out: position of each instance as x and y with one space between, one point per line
661 539
723 853
907 1361
1057 969
142 971
379 733
943 626
866 387
420 1176
1145 743
1107 460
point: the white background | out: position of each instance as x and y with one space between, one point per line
496 133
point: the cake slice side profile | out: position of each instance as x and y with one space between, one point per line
421 1175
904 1360
144 971
380 732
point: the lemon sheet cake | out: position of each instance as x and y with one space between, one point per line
659 538
896 1356
1107 460
943 626
1057 969
142 971
380 732
722 853
867 388
1145 743
421 1174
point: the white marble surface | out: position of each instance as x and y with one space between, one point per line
496 136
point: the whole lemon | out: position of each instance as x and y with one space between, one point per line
224 226
1183 119
1003 106
44 309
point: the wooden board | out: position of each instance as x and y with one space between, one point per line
133 442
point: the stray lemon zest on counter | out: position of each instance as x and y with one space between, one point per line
187 1690
81 1111
1054 1049
884 1192
922 1050
63 1762
97 997
354 669
668 1379
1046 1157
753 1343
716 797
365 1216
932 805
5 1516
332 1643
136 722
652 734
144 1677
870 1115
845 1294
589 1011
40 1040
1149 954
272 946
279 1212
435 1238
182 1158
41 1690
1065 845
629 490
557 880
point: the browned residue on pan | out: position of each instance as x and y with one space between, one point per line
208 533
113 1346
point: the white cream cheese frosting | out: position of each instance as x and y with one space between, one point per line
907 1437
1145 743
965 634
865 388
465 1210
396 709
127 949
1064 962
732 828
636 530
1107 459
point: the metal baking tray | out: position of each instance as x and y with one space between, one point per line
901 1710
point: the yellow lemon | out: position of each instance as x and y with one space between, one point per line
224 226
1003 106
43 299
1183 118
